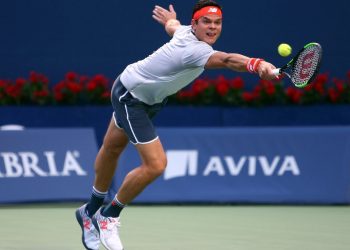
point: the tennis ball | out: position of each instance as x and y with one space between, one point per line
284 49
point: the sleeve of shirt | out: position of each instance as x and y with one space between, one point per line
198 54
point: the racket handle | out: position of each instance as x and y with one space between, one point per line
276 72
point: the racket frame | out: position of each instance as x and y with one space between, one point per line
294 59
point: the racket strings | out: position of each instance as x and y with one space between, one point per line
306 66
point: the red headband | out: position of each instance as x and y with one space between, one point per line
208 10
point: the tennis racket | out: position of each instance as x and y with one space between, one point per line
303 68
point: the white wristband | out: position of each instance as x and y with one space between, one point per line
171 22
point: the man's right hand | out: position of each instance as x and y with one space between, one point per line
167 18
162 15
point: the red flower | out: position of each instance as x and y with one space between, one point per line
257 89
294 94
91 86
199 86
3 83
321 78
33 77
237 83
72 76
222 89
101 80
41 93
318 86
13 91
339 84
185 94
20 81
333 94
271 90
38 78
74 87
221 79
58 96
83 79
59 86
248 96
267 86
222 86
309 87
106 94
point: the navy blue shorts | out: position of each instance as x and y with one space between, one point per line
134 116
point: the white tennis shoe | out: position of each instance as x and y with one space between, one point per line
108 227
90 237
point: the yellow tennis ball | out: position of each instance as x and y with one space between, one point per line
284 49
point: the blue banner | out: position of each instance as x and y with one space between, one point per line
226 165
46 165
250 165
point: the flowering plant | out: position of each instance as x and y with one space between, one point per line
223 91
72 90
33 90
77 89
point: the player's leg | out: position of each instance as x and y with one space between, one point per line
134 117
153 165
114 143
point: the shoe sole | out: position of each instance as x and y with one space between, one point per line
80 221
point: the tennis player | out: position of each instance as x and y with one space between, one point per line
138 94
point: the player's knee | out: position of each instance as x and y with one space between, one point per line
114 141
158 165
112 147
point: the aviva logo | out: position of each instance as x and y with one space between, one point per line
183 163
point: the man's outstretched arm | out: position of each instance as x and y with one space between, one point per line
167 18
241 63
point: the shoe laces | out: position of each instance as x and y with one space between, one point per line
113 223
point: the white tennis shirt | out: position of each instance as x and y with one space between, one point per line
169 69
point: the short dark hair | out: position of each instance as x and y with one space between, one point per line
204 3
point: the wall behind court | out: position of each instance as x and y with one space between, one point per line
90 37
